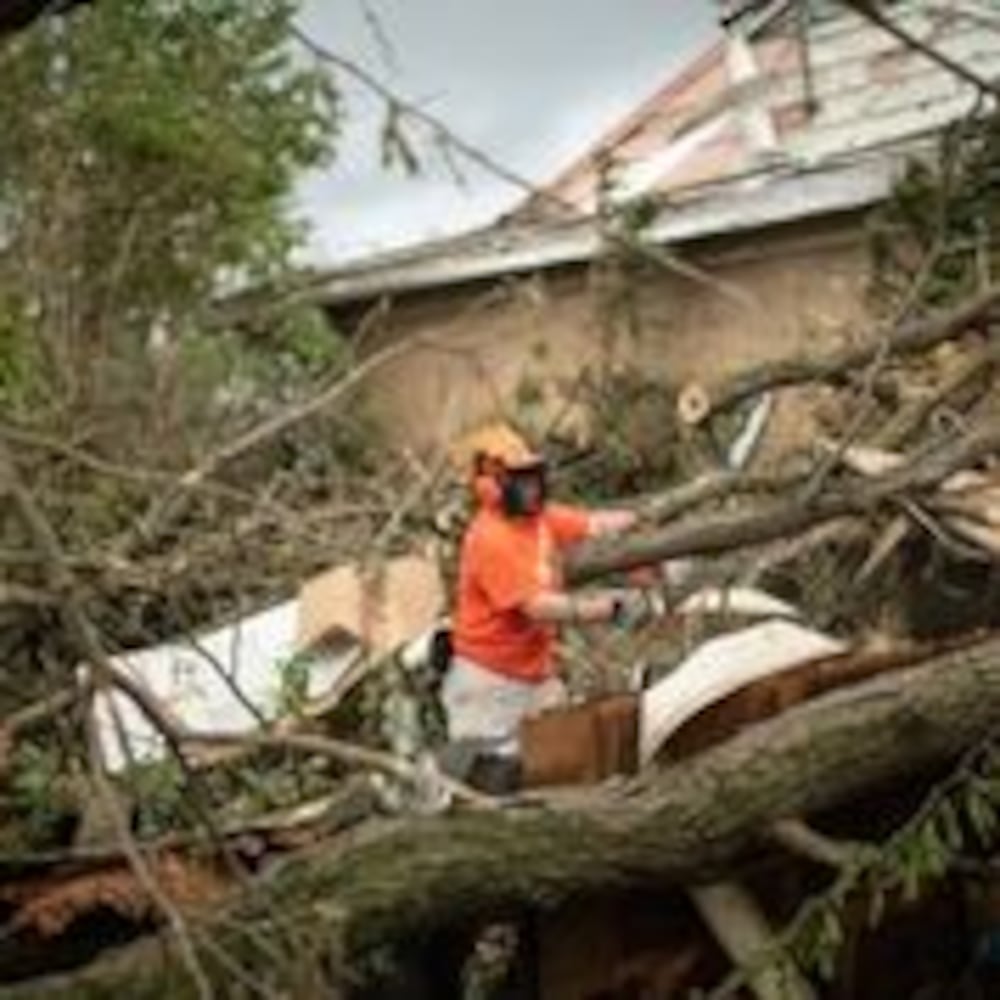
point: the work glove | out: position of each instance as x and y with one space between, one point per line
634 608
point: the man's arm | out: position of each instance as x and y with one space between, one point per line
624 608
572 525
612 522
562 608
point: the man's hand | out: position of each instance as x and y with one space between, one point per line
634 608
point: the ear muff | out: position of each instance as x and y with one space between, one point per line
517 492
487 491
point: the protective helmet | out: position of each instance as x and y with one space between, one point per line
504 470
496 445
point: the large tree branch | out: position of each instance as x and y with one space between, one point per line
680 825
709 488
781 518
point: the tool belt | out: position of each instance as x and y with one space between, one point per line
441 652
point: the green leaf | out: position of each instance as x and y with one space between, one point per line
831 938
949 826
909 866
981 813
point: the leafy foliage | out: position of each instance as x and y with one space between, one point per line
162 137
40 799
959 818
150 154
158 789
936 239
293 680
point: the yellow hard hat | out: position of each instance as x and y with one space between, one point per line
494 443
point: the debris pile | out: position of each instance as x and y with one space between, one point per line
829 659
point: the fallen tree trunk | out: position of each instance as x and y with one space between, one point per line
910 338
682 825
778 519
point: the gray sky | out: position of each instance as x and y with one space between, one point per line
533 82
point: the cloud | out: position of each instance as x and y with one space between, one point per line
533 82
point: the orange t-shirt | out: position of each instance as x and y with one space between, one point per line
506 562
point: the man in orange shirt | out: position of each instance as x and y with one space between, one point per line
511 599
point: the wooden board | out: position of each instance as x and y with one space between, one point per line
381 609
581 744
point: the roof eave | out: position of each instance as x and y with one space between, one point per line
752 203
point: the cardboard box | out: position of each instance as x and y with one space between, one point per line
581 744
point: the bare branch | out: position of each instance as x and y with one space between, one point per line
167 505
92 650
347 754
783 518
873 13
913 337
801 839
441 134
188 742
18 594
35 714
113 808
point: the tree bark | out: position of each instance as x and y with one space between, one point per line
681 825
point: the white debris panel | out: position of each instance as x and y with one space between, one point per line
302 653
721 666
225 682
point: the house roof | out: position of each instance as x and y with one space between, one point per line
781 121
781 87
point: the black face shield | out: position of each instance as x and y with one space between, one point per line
524 491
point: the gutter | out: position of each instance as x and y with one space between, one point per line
757 201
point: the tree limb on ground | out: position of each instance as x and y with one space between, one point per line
680 825
778 519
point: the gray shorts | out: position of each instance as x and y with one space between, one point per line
481 704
